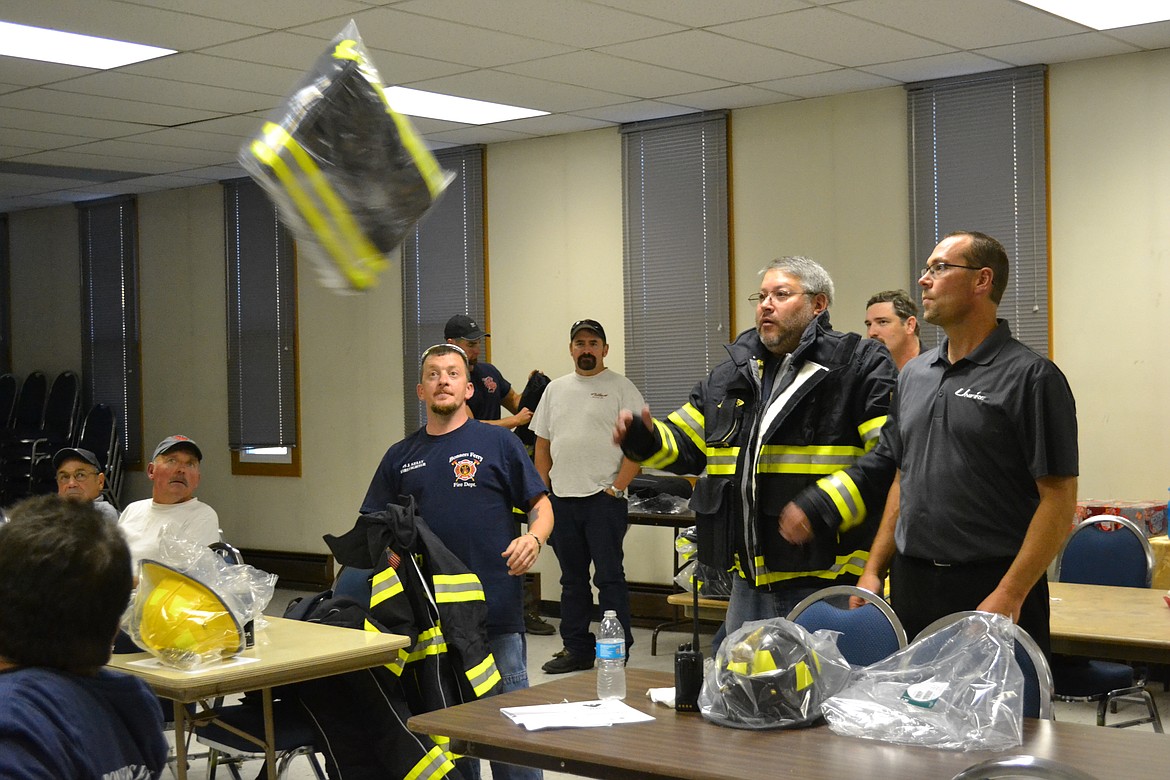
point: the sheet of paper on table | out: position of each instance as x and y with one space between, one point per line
575 714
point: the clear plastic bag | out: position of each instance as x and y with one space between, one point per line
349 174
713 583
959 688
772 674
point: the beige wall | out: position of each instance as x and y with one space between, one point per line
822 177
1110 207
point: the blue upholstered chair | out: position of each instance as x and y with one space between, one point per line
1105 550
868 634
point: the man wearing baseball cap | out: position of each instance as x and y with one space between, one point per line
588 477
492 391
80 478
172 508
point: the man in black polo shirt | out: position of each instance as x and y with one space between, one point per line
984 433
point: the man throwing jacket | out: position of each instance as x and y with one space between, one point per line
781 427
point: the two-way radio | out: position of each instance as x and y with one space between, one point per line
688 662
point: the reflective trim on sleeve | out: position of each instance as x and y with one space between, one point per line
384 585
870 431
432 766
668 453
483 676
786 459
452 588
841 488
691 422
854 563
430 642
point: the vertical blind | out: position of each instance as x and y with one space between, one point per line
110 351
978 162
675 253
442 268
5 297
261 320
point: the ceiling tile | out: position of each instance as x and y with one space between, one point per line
220 72
635 112
940 67
553 124
162 92
574 23
514 90
272 13
71 104
135 150
1148 36
703 14
31 73
479 135
833 82
74 159
825 34
698 51
186 138
730 97
1071 47
392 30
614 74
968 25
88 127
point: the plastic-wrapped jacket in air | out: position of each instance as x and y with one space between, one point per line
349 175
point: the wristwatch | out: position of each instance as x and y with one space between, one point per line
613 491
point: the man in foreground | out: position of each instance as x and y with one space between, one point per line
64 582
784 428
984 434
466 477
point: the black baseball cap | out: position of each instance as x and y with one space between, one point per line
74 453
178 441
592 325
463 327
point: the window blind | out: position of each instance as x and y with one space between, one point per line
110 351
978 162
261 320
675 253
442 268
5 297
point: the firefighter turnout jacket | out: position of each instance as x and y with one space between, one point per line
811 441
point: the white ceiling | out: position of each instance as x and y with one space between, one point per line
70 134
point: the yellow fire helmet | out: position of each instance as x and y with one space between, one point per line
181 621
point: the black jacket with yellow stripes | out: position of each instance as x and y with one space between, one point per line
828 404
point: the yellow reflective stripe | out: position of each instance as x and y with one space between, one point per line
396 666
353 242
452 588
804 676
841 488
690 421
668 453
432 766
763 661
424 160
870 431
484 676
738 667
854 563
788 459
721 460
430 642
384 585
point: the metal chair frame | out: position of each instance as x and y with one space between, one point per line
1022 766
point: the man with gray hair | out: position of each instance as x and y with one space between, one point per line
787 500
892 318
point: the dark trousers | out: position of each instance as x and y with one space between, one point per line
922 591
588 531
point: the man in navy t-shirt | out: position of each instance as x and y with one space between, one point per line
466 477
64 582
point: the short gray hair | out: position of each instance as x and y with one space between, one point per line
811 274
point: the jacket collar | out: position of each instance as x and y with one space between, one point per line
748 347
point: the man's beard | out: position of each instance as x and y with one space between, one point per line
789 330
445 410
586 362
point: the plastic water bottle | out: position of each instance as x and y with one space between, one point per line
611 658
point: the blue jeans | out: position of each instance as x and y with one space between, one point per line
590 530
747 603
511 654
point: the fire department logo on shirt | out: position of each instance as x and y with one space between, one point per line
489 384
464 470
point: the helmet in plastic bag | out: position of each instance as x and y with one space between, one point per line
772 674
182 621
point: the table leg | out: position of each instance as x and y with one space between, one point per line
269 734
180 740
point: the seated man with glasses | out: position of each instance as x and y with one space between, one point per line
80 478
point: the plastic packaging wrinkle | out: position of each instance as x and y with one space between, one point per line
348 174
713 583
772 674
959 688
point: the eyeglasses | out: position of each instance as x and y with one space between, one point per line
778 296
938 269
80 477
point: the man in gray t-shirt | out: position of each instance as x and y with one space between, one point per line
588 477
984 435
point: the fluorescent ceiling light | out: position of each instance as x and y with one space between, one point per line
432 105
1106 15
40 43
